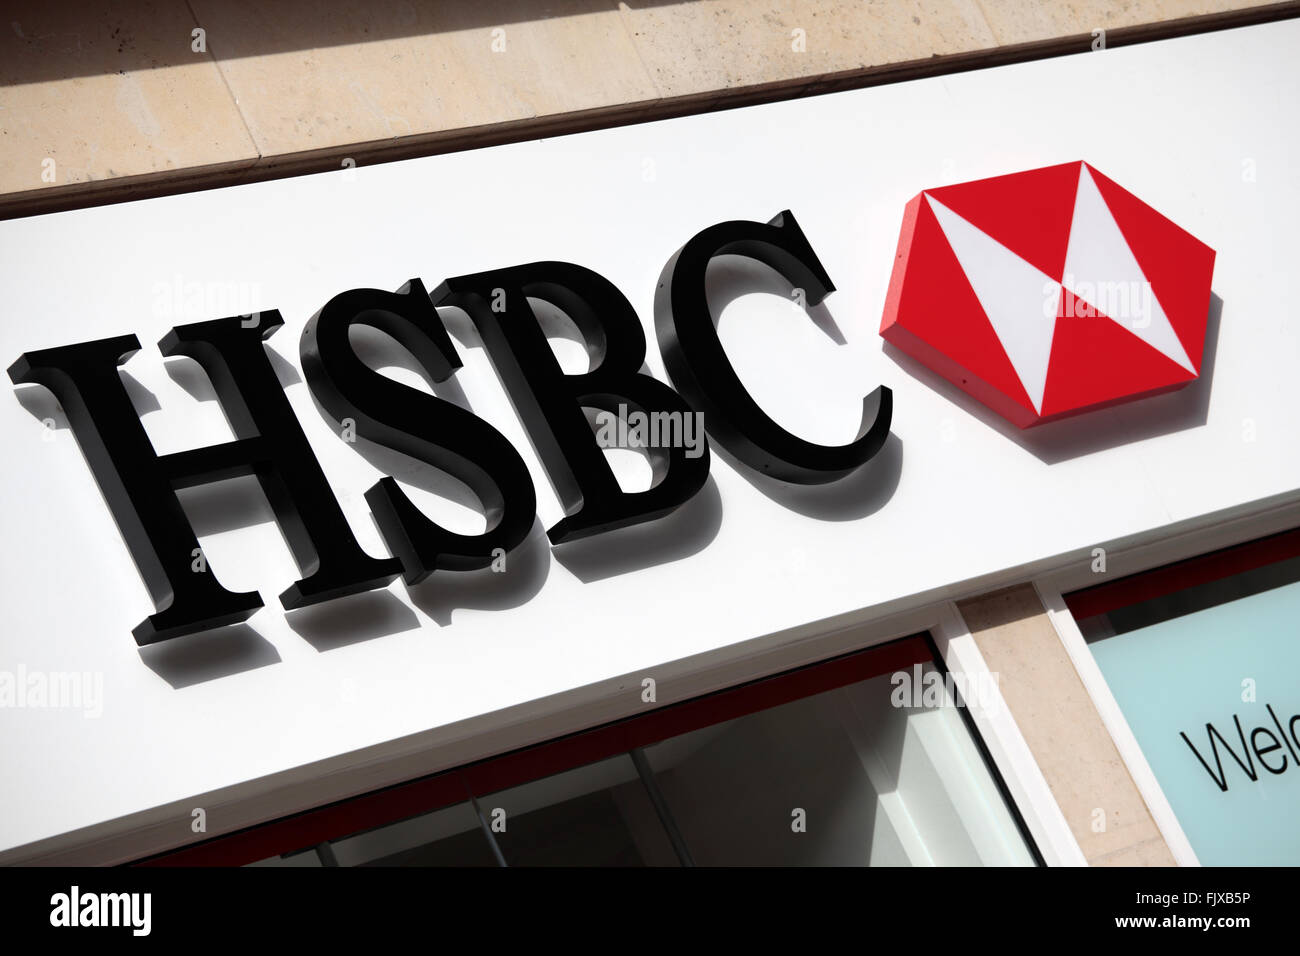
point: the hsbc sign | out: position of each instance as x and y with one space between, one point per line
976 264
141 486
1048 292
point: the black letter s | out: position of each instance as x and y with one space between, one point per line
422 426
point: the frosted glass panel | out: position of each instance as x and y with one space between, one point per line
1209 681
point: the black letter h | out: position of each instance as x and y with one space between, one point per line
140 485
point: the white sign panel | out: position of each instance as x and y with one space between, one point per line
958 496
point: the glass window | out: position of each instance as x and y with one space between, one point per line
450 836
1208 678
842 778
882 772
597 815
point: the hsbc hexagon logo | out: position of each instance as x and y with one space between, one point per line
1048 292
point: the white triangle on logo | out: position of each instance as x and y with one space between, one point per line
1101 269
1020 300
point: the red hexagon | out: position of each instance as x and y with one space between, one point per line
1048 292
